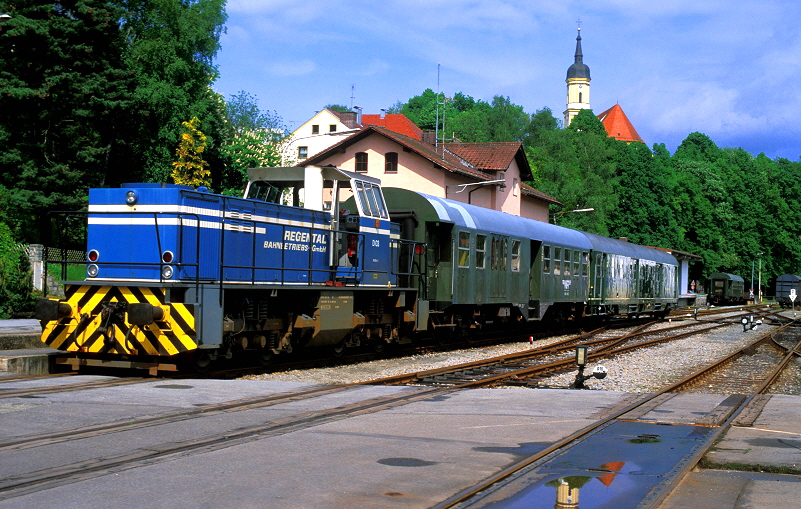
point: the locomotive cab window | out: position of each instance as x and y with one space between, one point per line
370 200
464 249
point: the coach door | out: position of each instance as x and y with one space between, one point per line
439 237
499 263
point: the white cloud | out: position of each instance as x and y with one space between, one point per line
286 68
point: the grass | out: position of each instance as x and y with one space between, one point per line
75 272
743 467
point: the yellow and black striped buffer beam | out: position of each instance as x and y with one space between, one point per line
98 323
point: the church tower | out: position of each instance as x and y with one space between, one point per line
578 85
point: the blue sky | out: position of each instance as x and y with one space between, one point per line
727 68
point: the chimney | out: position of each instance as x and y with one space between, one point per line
349 119
429 137
358 115
383 113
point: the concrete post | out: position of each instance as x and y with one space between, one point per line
35 255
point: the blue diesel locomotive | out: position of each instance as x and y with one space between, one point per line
320 257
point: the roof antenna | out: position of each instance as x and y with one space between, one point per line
352 88
436 124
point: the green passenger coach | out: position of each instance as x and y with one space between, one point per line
485 267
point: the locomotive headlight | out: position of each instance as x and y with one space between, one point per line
131 197
167 257
92 270
166 272
93 255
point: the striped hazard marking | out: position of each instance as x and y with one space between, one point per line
88 329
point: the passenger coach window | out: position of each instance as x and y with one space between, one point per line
567 262
557 261
546 259
515 256
481 250
585 262
504 253
464 249
576 256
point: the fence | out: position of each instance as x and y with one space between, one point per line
37 254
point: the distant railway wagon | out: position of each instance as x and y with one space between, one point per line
726 289
785 285
318 257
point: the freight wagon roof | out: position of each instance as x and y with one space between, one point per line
621 247
788 277
480 218
724 275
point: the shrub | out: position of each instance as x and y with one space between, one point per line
16 285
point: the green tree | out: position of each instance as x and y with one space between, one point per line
65 93
338 108
253 143
170 46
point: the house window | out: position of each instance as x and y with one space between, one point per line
315 129
391 165
361 162
515 187
481 250
332 128
303 152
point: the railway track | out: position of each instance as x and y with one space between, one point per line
739 409
154 449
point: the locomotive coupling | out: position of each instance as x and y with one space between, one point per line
144 313
47 310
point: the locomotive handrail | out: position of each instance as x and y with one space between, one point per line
161 264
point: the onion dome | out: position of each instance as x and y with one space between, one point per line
579 70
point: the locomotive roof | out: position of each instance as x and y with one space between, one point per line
621 247
480 218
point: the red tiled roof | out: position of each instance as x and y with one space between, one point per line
487 156
618 126
397 122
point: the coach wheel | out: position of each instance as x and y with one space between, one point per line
379 345
339 348
264 356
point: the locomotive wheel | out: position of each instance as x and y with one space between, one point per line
339 349
379 345
202 362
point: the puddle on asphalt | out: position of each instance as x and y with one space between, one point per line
617 467
406 462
